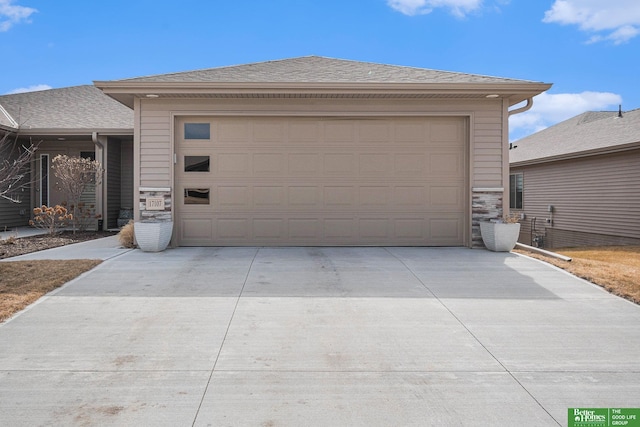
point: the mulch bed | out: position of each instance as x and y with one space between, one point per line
12 247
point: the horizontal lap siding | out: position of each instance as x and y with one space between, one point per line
598 195
155 147
486 127
487 147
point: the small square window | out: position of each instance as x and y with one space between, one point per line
196 196
196 163
197 131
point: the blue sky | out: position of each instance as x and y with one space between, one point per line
588 49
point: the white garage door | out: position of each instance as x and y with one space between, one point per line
320 181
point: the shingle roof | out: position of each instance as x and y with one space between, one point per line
78 107
318 69
593 131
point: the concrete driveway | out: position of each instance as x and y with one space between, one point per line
318 336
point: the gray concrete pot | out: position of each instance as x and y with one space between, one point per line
153 236
499 236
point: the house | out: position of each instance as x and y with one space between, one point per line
319 151
76 121
577 183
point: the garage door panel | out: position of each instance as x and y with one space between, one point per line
371 132
268 196
444 165
233 228
233 164
313 181
339 229
303 228
374 196
337 131
304 196
339 164
269 164
446 197
410 165
339 196
197 229
233 196
304 164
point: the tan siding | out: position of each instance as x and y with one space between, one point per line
595 195
486 138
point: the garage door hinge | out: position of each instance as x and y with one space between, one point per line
175 159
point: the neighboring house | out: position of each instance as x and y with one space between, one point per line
580 180
320 151
76 121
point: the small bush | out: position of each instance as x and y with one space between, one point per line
125 236
53 219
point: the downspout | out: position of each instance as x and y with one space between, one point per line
522 109
103 216
506 209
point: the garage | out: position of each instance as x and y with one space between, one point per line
321 181
321 151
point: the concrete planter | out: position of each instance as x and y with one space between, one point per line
153 236
499 236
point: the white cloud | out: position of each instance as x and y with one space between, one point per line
549 109
617 21
33 88
11 14
458 8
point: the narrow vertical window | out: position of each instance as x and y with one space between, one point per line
44 179
516 190
197 131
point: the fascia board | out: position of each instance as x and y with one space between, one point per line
125 91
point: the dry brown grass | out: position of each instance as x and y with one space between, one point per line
615 268
125 236
23 282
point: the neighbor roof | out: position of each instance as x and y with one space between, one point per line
72 109
593 132
313 75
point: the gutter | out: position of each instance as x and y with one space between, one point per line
522 109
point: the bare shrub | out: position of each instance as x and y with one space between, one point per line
74 175
53 219
125 236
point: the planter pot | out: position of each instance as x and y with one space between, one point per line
499 236
153 236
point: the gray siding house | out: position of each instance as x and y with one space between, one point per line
301 151
580 180
76 121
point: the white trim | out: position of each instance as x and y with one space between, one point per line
487 189
165 189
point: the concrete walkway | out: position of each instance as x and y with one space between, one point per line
319 337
